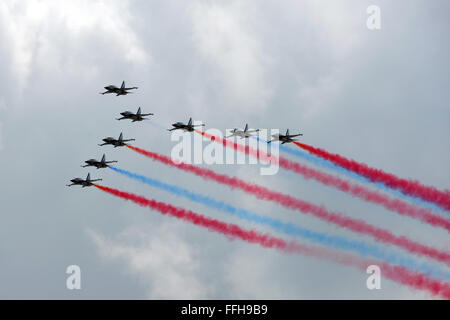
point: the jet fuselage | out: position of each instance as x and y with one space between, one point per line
95 163
182 126
114 142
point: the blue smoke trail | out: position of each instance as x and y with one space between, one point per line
154 124
331 166
361 248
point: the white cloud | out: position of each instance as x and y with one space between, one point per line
336 26
233 52
248 279
45 33
165 263
318 97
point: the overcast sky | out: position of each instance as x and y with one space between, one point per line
378 96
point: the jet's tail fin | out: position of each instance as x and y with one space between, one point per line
88 178
103 158
121 137
139 111
190 122
246 127
287 132
123 85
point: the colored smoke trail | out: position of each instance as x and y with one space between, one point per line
410 187
155 124
317 161
362 248
395 273
330 166
395 205
356 225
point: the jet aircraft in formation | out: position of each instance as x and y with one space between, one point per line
284 138
242 133
138 116
186 127
83 182
122 91
98 164
116 142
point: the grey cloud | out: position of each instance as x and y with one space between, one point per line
380 97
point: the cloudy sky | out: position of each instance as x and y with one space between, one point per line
379 96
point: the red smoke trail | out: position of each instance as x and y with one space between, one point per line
290 202
398 274
407 187
395 205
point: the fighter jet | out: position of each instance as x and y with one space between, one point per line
116 142
134 117
83 183
284 138
186 127
98 164
243 134
122 91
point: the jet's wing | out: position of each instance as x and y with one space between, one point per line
295 135
126 140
